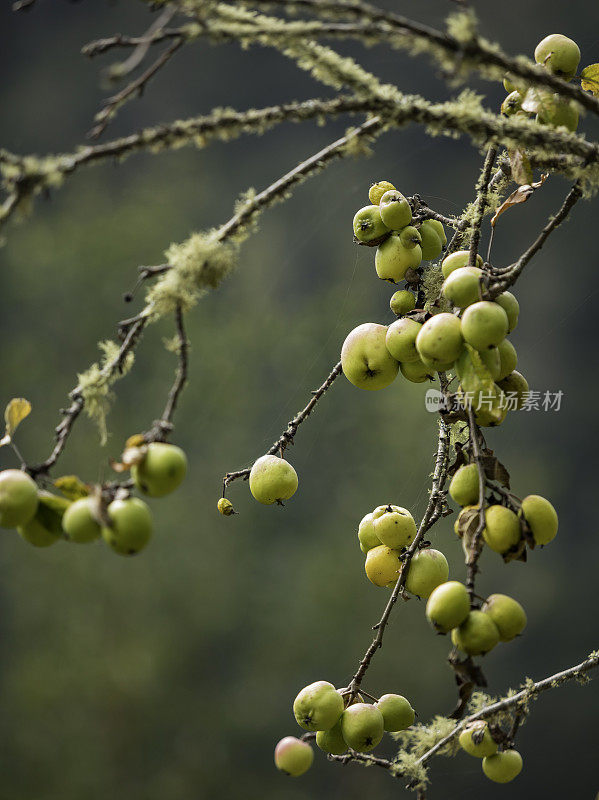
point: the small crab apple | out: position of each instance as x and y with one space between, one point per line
484 324
438 227
395 527
396 212
476 635
45 527
362 726
318 706
378 189
440 339
508 359
18 498
131 526
382 565
477 741
365 360
428 568
432 241
161 470
332 741
502 528
402 302
456 260
416 371
448 606
366 535
512 104
393 259
272 480
397 712
516 385
410 236
541 517
463 287
436 366
79 522
465 485
503 767
401 339
293 756
225 507
490 407
511 307
507 614
558 54
558 112
368 225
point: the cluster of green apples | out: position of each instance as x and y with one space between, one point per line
500 766
383 534
125 524
341 721
560 56
387 222
503 532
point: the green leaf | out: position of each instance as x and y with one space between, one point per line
589 79
14 413
72 487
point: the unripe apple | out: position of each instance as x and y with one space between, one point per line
131 526
393 259
161 471
45 527
318 706
397 712
293 756
512 104
402 302
366 535
416 371
225 507
365 359
491 409
508 359
432 241
558 112
332 741
377 190
456 260
272 479
511 307
79 522
502 528
436 366
362 727
477 741
516 383
508 84
503 767
462 287
18 498
541 517
368 225
507 614
440 339
395 527
448 606
428 568
476 635
401 339
410 236
559 54
465 484
382 565
484 324
438 227
395 210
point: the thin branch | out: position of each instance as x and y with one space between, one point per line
100 46
118 71
164 424
475 545
480 204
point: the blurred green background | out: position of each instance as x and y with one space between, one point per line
172 674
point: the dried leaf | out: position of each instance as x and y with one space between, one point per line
521 195
14 413
72 487
521 169
495 470
131 456
589 79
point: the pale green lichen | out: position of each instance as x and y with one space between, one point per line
406 765
431 283
462 25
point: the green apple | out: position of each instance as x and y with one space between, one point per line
541 517
402 302
461 517
362 726
491 408
428 568
477 741
416 371
366 535
401 339
438 227
476 635
463 286
465 484
410 237
397 712
382 565
436 366
484 324
559 54
45 527
508 359
432 241
18 498
395 210
368 225
558 112
395 527
456 260
448 606
503 767
293 756
378 189
161 471
393 259
272 480
511 307
318 706
507 614
131 527
515 387
502 528
508 84
332 741
365 359
440 339
512 104
79 522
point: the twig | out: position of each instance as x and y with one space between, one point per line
475 547
99 46
481 203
